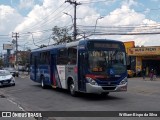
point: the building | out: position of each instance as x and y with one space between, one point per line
22 58
146 57
131 60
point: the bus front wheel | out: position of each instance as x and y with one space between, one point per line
42 83
72 88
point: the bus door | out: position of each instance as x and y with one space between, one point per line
81 70
52 69
35 68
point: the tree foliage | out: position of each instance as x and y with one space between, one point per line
61 35
24 57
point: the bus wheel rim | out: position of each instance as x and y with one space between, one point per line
72 88
42 83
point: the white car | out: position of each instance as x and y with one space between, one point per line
6 78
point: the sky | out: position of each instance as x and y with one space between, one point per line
33 20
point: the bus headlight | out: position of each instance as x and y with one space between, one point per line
123 81
91 81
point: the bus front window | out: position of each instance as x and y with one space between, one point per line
103 61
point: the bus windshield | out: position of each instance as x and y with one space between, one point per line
103 61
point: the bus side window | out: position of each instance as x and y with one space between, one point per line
44 58
62 58
31 59
72 55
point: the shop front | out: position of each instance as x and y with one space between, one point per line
146 57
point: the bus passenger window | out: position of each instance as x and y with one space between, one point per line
62 58
44 58
72 55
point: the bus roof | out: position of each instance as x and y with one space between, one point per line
75 43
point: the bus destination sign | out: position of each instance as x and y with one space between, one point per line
106 45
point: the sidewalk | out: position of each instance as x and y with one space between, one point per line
8 105
146 79
24 74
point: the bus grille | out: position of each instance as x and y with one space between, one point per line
109 88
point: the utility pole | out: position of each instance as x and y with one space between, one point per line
16 36
75 5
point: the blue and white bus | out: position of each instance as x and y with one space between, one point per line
89 66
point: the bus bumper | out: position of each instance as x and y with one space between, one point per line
102 89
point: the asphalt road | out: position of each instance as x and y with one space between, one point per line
141 96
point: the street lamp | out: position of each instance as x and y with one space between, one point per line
74 25
69 15
33 39
96 22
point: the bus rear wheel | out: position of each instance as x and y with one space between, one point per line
72 88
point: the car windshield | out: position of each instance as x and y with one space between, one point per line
4 73
104 61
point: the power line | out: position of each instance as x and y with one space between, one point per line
51 20
75 5
45 18
40 31
55 18
4 35
134 33
96 1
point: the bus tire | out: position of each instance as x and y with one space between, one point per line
42 83
72 88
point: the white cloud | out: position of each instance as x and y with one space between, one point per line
9 19
39 16
123 16
47 15
25 4
42 17
126 16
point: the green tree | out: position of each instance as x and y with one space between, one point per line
61 35
24 55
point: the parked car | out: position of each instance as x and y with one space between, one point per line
13 71
21 68
131 73
6 78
